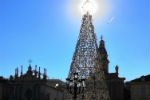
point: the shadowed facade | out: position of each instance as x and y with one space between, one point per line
33 85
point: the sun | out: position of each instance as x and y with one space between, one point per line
99 9
88 6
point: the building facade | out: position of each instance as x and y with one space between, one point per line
139 89
33 85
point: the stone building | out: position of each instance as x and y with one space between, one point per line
33 85
138 89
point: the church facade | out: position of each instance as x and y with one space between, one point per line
29 86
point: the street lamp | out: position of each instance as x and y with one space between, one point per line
76 85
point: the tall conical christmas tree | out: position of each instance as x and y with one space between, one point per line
87 63
83 60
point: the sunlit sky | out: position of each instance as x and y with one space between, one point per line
46 31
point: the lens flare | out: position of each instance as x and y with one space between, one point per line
99 9
88 6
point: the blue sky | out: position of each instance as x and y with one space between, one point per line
43 31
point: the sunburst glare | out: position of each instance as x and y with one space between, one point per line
97 8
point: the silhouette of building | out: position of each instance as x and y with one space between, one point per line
33 85
138 89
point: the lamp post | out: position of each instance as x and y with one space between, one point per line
75 86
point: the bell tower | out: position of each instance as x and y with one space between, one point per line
102 56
